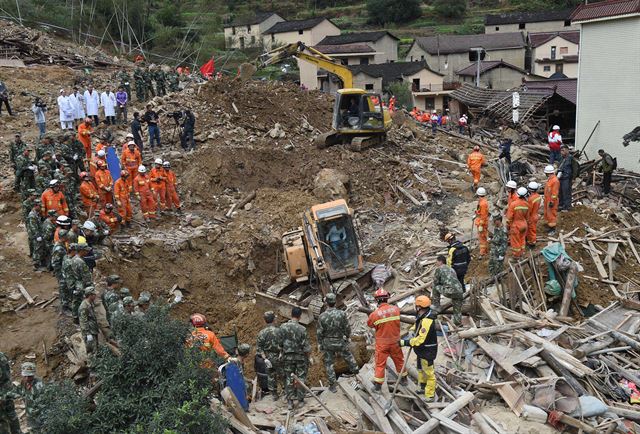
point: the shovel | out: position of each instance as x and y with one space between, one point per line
389 404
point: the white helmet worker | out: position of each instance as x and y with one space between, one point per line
555 128
522 192
533 186
101 153
89 225
481 191
512 184
129 136
549 169
142 169
158 161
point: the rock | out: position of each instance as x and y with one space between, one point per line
288 147
196 221
330 184
248 206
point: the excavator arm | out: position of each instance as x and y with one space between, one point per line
297 49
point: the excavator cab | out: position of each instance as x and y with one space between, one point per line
355 111
339 245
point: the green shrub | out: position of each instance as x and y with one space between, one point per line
393 11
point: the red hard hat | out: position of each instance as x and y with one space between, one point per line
198 320
380 293
99 163
83 175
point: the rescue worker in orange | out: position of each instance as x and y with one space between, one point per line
551 192
534 201
173 200
475 161
131 159
517 223
89 194
62 223
511 192
110 218
101 146
122 193
203 338
142 188
53 199
104 182
386 321
159 183
100 157
482 220
84 136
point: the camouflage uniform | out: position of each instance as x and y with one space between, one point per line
9 423
27 203
499 243
30 390
16 149
138 78
294 341
81 278
268 344
445 281
125 81
25 176
333 333
174 81
160 79
43 148
57 257
147 77
48 232
36 240
88 325
67 274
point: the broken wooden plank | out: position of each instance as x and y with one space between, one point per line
562 372
452 425
473 332
449 411
514 398
25 294
55 297
572 275
633 249
409 195
500 359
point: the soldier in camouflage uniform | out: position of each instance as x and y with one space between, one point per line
27 204
57 257
445 282
294 342
147 77
74 231
127 307
138 78
111 296
67 273
47 144
42 180
333 333
9 423
25 172
16 149
48 231
47 161
268 346
498 246
116 306
80 276
88 322
125 81
30 386
160 79
34 233
174 81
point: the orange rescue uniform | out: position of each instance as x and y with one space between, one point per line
104 182
84 136
159 185
517 222
142 188
90 197
207 341
551 191
386 321
131 160
93 165
511 196
110 219
482 222
54 201
475 160
172 189
121 193
534 215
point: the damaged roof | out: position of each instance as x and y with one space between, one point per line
567 88
462 43
487 65
293 26
392 71
527 17
351 38
345 49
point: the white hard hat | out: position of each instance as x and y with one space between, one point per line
511 184
481 191
89 225
555 127
101 153
533 186
522 192
433 111
158 161
131 142
53 182
166 164
142 169
549 169
129 136
62 220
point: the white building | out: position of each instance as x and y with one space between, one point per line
609 78
545 21
555 52
245 33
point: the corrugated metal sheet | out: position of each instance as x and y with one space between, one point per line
605 9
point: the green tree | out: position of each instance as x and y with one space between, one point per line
402 91
393 11
454 9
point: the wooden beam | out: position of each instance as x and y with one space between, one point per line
25 294
449 411
473 332
568 289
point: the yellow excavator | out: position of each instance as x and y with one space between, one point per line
359 119
321 256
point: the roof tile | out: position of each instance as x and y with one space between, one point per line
447 44
605 9
539 38
527 17
350 38
292 26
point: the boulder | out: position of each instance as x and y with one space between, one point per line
330 184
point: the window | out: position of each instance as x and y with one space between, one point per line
300 32
567 23
415 86
273 37
559 68
248 28
368 86
242 42
229 41
546 68
521 26
422 58
430 103
564 50
497 28
253 40
364 61
553 53
233 30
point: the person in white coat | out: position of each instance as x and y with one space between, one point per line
78 112
108 101
92 103
66 111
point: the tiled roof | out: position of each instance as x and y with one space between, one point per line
391 71
446 44
571 58
247 21
539 38
527 17
605 9
293 26
485 66
344 48
351 38
567 88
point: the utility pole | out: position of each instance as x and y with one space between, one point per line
477 54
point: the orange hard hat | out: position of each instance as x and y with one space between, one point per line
198 319
83 175
423 301
448 236
381 293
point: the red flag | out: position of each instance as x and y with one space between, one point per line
208 68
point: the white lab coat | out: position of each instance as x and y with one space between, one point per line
77 100
108 101
65 108
92 102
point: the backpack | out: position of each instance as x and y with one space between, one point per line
575 168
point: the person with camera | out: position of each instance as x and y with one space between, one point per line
4 98
39 108
188 127
151 118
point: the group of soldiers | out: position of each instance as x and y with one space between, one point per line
30 386
144 79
